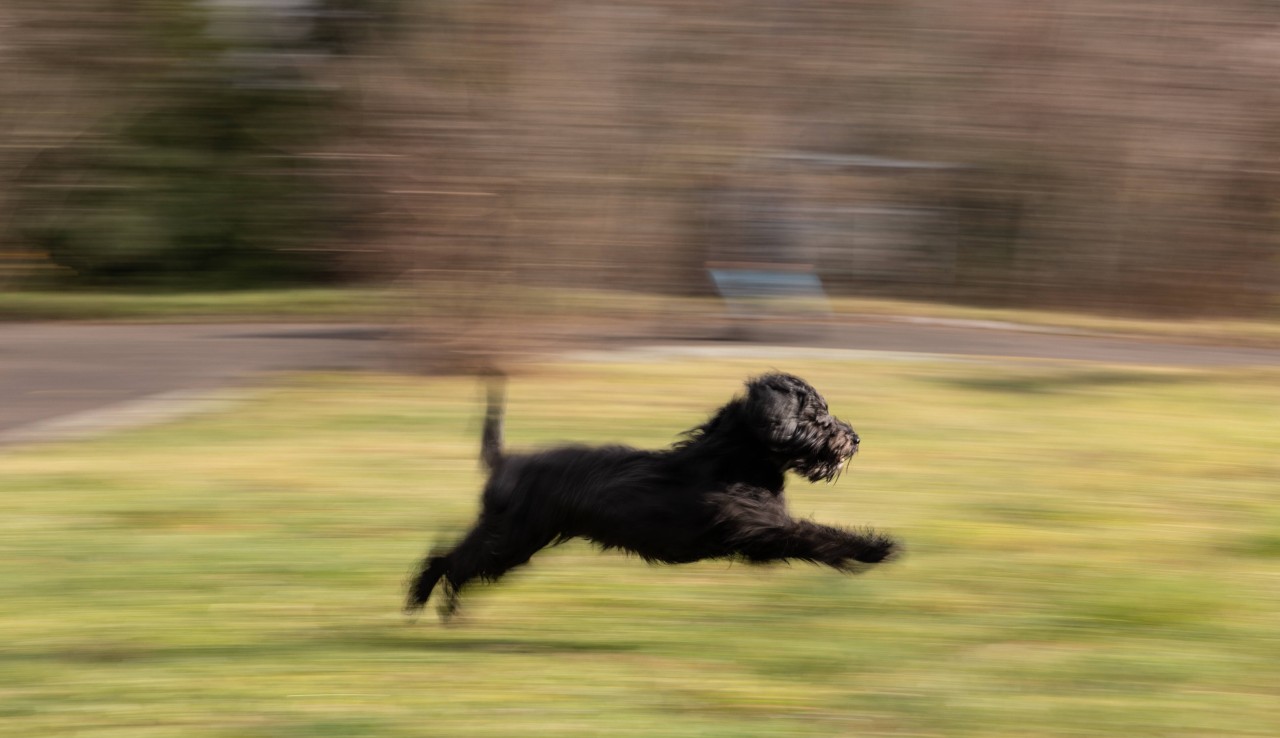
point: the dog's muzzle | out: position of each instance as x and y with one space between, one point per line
826 460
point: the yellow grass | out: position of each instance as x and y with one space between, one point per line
1091 552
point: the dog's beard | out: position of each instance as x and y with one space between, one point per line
826 469
825 452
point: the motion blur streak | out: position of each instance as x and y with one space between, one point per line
1101 155
254 255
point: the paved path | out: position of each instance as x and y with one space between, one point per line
55 376
982 338
54 371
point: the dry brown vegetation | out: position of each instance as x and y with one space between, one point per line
1099 154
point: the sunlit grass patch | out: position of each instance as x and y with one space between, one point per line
304 303
1089 552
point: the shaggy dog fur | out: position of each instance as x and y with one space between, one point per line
717 494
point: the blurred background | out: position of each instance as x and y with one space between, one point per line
1103 155
261 187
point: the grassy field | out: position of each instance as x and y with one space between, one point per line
634 308
1092 551
289 304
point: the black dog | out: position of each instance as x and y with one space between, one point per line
715 494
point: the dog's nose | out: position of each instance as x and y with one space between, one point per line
856 440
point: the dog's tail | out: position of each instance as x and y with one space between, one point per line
491 439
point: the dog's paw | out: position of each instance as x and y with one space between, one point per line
413 603
879 549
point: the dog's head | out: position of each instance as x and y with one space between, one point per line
793 421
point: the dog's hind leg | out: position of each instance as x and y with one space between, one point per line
429 574
488 551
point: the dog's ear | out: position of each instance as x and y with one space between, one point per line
773 408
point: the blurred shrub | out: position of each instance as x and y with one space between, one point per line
191 191
205 178
1106 154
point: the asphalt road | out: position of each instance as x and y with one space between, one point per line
52 370
974 338
58 370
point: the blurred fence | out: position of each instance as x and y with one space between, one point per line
1103 154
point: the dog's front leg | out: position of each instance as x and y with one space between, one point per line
808 541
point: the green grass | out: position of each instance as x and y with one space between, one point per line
568 305
1261 331
1091 552
293 304
1245 332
